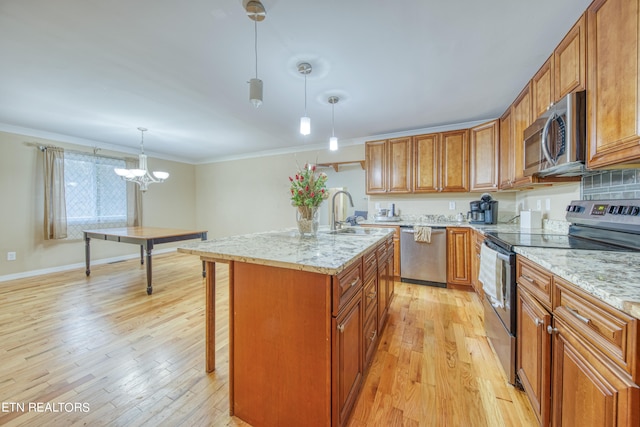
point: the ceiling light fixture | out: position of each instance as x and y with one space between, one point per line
333 141
255 12
304 68
141 175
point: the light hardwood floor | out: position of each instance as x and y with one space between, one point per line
139 360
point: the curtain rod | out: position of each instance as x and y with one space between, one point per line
43 147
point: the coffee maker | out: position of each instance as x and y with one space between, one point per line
483 211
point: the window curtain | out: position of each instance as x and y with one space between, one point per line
134 198
55 211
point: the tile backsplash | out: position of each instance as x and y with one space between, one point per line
614 184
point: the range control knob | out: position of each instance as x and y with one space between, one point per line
624 210
635 210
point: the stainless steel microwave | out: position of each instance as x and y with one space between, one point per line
555 144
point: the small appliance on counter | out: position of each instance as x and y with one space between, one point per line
483 211
386 215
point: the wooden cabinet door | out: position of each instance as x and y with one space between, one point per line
613 98
476 245
399 173
376 166
588 391
454 163
459 257
390 283
484 141
507 156
347 370
383 285
542 87
570 61
533 354
522 118
426 163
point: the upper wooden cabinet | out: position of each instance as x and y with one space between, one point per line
570 61
441 162
484 141
613 81
542 88
564 72
521 119
507 158
388 166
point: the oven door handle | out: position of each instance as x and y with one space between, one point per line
503 257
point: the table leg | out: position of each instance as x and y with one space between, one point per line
142 254
210 319
149 287
204 267
87 254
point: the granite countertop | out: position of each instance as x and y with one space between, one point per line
326 253
613 277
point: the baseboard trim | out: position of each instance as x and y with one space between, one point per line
67 267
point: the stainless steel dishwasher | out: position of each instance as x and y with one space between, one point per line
421 262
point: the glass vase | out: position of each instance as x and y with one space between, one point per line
307 218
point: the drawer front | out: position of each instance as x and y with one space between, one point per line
370 296
604 327
535 279
345 285
370 264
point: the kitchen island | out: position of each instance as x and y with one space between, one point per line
305 317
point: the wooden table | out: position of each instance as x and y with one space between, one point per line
146 237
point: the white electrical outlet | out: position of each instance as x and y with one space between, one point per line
538 205
11 256
547 204
452 206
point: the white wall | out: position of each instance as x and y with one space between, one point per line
557 197
170 205
251 195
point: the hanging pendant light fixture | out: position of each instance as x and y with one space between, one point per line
304 68
255 12
333 141
141 175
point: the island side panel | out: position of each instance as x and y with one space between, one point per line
281 346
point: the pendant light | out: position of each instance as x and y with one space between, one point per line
304 68
255 12
333 141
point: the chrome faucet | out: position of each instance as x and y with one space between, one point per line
333 207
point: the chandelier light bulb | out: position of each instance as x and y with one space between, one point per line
333 141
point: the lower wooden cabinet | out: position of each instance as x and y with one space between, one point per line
533 353
347 363
576 357
477 239
588 390
459 257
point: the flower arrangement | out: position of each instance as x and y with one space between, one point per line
308 190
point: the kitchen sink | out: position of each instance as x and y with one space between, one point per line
354 231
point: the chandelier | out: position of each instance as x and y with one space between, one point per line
141 175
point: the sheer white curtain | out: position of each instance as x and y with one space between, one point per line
134 198
55 212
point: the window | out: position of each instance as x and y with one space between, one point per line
95 196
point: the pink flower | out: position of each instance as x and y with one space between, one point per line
290 179
313 194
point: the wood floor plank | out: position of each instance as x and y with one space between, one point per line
139 360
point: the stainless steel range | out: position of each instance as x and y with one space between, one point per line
604 225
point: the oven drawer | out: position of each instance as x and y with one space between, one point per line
606 328
536 279
345 285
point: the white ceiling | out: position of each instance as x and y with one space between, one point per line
92 71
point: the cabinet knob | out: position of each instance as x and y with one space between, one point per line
341 328
372 295
373 335
539 322
551 330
